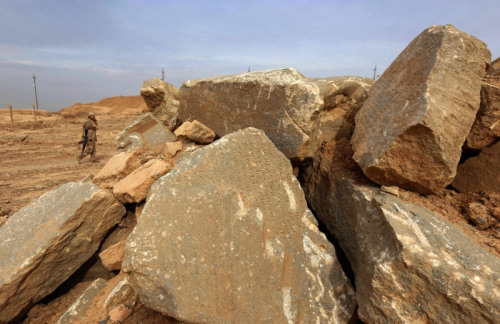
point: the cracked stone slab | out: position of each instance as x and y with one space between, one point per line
410 264
280 102
226 237
56 233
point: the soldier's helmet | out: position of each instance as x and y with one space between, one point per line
91 115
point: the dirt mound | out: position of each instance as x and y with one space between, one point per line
121 105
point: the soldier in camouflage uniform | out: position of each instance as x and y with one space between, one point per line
91 126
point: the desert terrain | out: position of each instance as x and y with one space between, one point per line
36 158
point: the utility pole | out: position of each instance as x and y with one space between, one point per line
162 74
34 84
248 69
375 72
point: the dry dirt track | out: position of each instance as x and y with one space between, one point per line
37 158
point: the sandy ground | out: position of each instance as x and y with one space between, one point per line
36 158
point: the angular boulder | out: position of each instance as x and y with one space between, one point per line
146 130
162 99
486 128
134 187
226 237
411 129
118 165
480 173
55 234
280 102
410 264
196 132
112 257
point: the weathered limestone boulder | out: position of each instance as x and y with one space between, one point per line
494 68
280 102
411 129
134 187
486 128
118 165
480 173
162 99
196 132
343 97
112 257
55 234
410 264
227 237
78 309
146 130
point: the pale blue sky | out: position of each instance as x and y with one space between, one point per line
83 51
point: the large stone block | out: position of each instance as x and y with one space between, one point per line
146 130
226 237
411 129
162 99
486 128
480 173
46 241
410 264
280 102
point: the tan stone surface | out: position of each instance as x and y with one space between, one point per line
480 173
145 130
173 147
343 97
134 187
410 264
227 237
196 132
410 131
162 99
118 165
112 257
494 68
486 128
56 233
280 102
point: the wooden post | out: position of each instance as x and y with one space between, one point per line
34 113
11 115
36 96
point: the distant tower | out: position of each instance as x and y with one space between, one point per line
34 84
248 69
375 72
162 74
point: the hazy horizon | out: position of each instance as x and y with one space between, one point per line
84 51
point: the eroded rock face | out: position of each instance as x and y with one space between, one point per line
410 265
226 237
55 234
146 130
494 68
480 173
280 102
411 129
486 128
343 97
162 99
